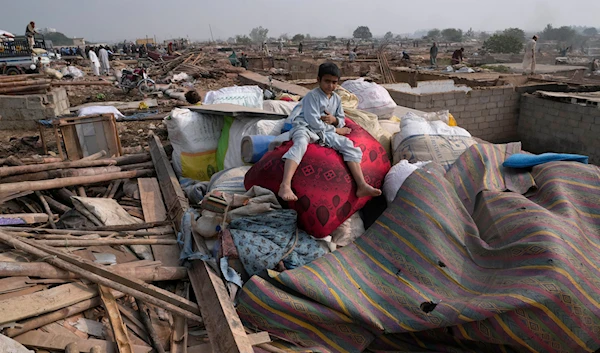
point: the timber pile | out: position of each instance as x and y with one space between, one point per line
73 280
190 63
23 84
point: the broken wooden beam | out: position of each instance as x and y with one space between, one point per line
116 322
131 227
56 206
100 275
224 327
44 340
144 311
73 181
47 209
111 241
62 173
84 232
82 163
44 270
82 83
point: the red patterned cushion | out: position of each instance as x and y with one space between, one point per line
324 186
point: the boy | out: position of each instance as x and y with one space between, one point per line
313 123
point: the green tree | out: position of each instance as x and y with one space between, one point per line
590 32
503 43
259 34
284 37
362 32
243 39
561 34
298 38
452 35
515 32
388 36
434 34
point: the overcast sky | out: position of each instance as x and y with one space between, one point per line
116 20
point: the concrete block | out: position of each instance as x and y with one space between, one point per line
589 119
484 99
13 102
451 102
497 91
572 122
494 111
448 96
487 92
462 101
458 109
476 93
579 132
420 105
439 104
483 125
472 101
480 119
494 124
491 117
460 95
500 104
472 107
35 102
491 105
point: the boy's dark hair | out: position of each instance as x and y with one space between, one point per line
329 69
192 97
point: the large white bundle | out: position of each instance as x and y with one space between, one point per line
247 96
372 97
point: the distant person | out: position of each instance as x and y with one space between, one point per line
300 47
457 56
405 56
170 48
94 62
352 56
319 118
266 49
348 46
104 64
30 32
529 58
244 61
433 52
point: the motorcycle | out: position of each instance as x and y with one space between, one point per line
137 79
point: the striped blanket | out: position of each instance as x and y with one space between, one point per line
478 259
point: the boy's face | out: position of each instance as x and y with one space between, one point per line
328 83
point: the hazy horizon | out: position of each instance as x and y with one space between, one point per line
177 18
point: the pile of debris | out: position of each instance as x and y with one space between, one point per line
23 84
89 259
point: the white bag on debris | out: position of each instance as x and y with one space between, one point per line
100 109
349 231
71 71
372 97
194 138
396 177
247 96
281 107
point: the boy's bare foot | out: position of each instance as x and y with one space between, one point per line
367 190
343 130
286 193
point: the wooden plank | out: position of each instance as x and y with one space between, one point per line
43 340
12 284
255 340
222 322
179 332
99 274
24 218
234 110
155 211
15 309
116 322
23 292
249 77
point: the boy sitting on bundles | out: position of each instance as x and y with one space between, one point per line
313 122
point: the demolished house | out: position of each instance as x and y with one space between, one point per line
176 241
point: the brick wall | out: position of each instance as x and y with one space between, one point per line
22 112
550 126
489 113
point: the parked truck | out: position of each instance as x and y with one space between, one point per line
16 57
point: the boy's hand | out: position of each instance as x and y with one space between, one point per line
343 131
329 119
